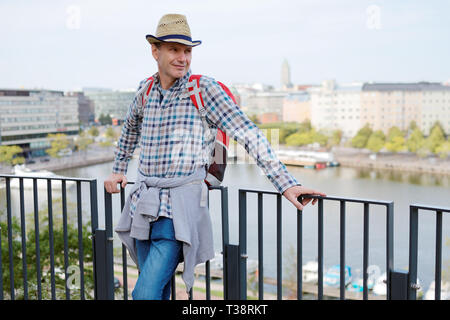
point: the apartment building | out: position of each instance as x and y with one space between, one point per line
384 105
28 116
335 106
297 107
114 103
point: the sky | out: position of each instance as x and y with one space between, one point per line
68 45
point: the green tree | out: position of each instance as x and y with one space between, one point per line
319 137
376 141
93 131
10 155
336 137
58 142
396 144
415 140
299 139
443 149
412 126
254 119
361 137
44 250
435 139
83 141
105 119
111 134
394 132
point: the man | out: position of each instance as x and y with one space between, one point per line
165 219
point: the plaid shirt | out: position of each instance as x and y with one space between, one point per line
172 137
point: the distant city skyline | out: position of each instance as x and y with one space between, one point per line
68 45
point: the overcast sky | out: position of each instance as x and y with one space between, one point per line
65 45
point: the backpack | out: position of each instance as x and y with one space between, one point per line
218 160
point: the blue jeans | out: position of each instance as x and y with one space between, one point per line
158 258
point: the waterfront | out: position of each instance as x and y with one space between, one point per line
402 188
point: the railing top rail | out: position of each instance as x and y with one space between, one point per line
428 207
48 178
209 187
380 202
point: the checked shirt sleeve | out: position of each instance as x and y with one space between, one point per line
130 134
226 115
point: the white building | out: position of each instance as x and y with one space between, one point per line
336 106
28 116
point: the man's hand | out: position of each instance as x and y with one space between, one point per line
113 180
294 192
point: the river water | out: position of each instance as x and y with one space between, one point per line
402 188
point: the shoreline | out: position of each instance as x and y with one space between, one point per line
347 158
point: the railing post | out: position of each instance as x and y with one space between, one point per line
232 283
413 251
101 292
243 244
109 247
398 285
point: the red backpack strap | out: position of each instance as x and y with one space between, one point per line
195 97
149 82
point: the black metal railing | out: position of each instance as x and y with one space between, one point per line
243 242
399 284
47 183
411 282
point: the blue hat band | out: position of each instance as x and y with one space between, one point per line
175 36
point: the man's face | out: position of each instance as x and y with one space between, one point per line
174 59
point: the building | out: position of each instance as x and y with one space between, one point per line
385 105
297 107
336 107
285 75
265 102
86 108
114 103
28 116
268 117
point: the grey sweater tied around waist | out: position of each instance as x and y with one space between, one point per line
190 214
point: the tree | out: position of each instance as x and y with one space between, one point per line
93 131
336 137
83 141
105 119
111 134
361 137
444 149
396 144
415 140
319 137
435 139
394 132
9 155
44 249
299 139
254 119
58 142
376 141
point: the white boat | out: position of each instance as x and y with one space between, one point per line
445 291
310 272
332 277
23 171
380 285
358 284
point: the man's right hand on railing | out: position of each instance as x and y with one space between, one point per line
112 181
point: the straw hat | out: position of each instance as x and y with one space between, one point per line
173 28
